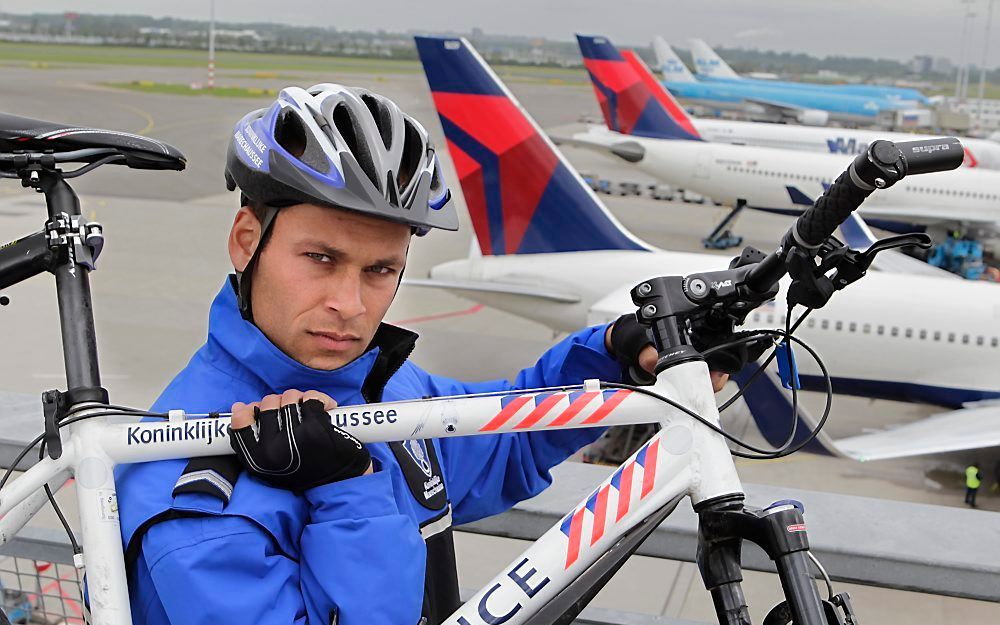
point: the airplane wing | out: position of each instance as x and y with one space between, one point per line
963 429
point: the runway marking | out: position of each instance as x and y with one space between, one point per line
455 313
150 124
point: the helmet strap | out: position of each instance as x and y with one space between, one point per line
243 277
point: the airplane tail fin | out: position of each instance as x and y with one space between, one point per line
522 194
632 101
670 64
708 63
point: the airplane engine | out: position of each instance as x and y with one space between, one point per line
813 117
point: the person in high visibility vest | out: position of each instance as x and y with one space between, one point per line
972 482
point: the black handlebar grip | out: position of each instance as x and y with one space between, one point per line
841 199
931 155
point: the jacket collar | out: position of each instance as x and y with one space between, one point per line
246 351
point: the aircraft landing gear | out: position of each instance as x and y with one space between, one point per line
722 238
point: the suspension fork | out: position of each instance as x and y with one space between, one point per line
779 529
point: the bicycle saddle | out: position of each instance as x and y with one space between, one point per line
23 134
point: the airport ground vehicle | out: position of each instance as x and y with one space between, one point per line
691 317
661 192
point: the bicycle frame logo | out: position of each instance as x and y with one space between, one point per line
193 430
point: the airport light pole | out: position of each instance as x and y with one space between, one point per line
962 78
982 66
211 44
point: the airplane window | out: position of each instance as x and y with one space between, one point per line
894 332
994 342
825 324
770 318
965 339
852 327
838 326
979 341
880 330
951 337
937 335
810 323
923 335
867 328
909 333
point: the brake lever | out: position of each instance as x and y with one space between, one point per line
920 240
853 264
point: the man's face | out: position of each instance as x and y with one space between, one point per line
324 280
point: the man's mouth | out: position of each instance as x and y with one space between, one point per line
336 341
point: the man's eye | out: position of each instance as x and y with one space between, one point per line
380 269
323 258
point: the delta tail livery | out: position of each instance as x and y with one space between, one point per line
874 335
660 142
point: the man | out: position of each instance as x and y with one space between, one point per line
972 483
304 524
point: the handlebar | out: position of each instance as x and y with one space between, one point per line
884 164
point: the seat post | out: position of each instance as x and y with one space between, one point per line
76 316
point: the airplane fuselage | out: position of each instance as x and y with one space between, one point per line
889 335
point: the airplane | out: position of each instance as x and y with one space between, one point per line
811 108
712 68
979 152
547 249
647 127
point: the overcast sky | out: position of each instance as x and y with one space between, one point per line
896 29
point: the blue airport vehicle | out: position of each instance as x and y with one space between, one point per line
959 255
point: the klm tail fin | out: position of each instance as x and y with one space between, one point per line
708 63
670 64
632 101
523 196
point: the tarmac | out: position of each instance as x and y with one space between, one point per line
165 259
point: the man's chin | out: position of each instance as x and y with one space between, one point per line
330 361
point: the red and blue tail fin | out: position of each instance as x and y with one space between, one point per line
632 100
523 196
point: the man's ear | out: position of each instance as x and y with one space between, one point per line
244 237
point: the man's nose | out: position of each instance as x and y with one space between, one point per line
345 296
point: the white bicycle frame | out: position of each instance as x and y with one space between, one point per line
684 458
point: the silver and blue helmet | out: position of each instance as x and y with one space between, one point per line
344 147
336 146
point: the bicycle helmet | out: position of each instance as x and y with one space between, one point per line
337 146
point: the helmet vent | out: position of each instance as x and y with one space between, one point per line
291 134
413 151
350 130
382 118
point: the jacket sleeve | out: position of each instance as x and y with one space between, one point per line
487 475
227 569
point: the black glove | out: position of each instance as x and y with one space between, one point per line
296 447
628 338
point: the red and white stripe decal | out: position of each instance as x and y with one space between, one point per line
610 404
599 502
546 406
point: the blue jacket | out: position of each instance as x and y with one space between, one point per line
353 549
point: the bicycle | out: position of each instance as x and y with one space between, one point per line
691 317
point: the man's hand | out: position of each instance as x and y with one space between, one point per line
647 360
288 441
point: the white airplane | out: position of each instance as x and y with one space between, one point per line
647 127
549 251
978 152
